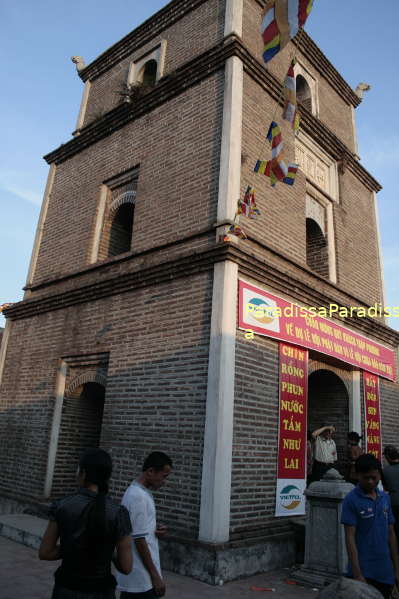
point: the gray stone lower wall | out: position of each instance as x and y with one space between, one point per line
14 505
222 563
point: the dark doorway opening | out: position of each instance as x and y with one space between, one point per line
150 70
80 429
120 238
329 404
303 92
316 248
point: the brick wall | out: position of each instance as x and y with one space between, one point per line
282 223
197 31
26 403
389 412
255 435
177 147
157 340
356 240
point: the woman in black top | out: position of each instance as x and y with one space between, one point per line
90 527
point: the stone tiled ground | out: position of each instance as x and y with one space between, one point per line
23 576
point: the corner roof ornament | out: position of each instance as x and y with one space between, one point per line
80 63
361 88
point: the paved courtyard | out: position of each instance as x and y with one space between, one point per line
24 576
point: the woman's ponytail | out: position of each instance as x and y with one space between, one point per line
97 465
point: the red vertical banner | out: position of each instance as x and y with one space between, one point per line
293 407
372 413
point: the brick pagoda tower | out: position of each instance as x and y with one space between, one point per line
128 337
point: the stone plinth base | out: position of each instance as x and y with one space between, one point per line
312 578
229 561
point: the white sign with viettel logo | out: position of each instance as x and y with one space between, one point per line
290 498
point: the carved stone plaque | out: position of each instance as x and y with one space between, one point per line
313 167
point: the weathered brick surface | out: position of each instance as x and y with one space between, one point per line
255 435
283 208
157 342
389 412
190 36
177 190
356 240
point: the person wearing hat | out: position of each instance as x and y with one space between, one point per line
354 451
325 451
390 480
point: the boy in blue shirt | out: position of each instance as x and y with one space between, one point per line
369 532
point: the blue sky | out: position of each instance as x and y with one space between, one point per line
41 95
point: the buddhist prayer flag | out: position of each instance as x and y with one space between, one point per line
276 168
237 231
281 22
248 206
290 113
275 138
289 179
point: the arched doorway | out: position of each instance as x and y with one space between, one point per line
316 248
120 238
148 74
303 92
328 403
80 429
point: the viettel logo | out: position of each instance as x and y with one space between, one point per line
260 310
290 497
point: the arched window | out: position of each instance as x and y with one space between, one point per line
148 74
316 248
303 92
120 237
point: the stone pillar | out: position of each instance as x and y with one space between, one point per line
325 550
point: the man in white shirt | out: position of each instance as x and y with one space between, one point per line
145 580
325 451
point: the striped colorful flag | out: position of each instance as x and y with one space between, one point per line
281 22
290 112
276 139
276 168
248 206
291 174
237 231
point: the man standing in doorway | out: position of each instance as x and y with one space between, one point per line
145 580
325 451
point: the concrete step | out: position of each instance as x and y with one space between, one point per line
23 528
